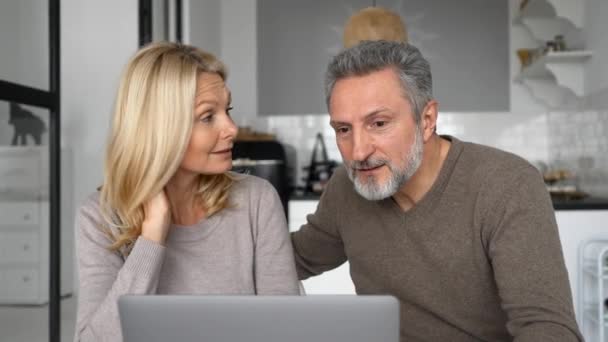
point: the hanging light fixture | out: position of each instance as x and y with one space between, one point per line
374 23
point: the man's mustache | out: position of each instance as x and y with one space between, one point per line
367 164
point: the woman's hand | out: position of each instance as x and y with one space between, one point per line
157 218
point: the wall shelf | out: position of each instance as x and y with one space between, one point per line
565 68
557 77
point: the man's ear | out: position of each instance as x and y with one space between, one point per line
429 120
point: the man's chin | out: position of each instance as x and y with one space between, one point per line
372 191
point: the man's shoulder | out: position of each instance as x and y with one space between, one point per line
496 170
483 160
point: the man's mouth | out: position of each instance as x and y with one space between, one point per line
368 169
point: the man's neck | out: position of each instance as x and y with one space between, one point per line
434 154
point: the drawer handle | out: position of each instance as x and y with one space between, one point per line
26 279
26 217
26 247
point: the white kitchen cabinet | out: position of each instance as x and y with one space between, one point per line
336 281
24 225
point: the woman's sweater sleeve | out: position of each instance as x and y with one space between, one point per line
104 275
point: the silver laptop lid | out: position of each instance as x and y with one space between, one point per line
320 318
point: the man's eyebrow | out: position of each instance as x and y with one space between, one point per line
367 116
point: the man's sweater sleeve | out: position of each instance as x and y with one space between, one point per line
104 276
522 242
318 246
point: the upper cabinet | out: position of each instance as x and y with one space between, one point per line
468 52
553 71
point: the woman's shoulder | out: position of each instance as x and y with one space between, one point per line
251 188
249 183
90 204
89 214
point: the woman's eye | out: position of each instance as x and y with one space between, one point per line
207 118
229 109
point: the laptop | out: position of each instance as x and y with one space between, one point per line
317 318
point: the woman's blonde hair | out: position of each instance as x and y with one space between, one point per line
151 128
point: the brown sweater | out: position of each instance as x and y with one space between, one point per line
477 259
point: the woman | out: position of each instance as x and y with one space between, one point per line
170 218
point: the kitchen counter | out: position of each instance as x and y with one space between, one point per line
588 203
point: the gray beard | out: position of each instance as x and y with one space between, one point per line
370 188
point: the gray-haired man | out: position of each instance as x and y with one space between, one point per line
462 234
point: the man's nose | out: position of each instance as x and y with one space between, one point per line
363 146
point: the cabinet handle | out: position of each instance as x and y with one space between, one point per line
26 216
26 247
26 279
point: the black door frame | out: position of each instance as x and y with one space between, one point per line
50 100
145 20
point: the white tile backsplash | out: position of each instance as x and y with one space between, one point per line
579 142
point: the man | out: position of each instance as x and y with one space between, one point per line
462 234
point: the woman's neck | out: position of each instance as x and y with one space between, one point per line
181 191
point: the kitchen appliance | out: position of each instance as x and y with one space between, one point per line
265 159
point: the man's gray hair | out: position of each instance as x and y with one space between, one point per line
413 69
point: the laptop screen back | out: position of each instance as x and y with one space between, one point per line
340 318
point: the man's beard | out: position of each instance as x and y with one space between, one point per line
370 188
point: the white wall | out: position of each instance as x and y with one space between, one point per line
202 24
238 51
98 37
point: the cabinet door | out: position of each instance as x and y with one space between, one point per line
15 215
16 247
336 281
19 286
298 210
20 170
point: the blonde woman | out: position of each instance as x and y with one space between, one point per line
170 218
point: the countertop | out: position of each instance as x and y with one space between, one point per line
587 203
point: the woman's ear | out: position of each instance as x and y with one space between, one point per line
429 119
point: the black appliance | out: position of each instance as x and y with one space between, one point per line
265 159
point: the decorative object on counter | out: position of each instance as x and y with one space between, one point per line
561 184
374 23
320 168
248 134
25 123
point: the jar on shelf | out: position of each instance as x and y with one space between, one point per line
560 43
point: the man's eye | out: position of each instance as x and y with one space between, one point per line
342 130
229 109
379 124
